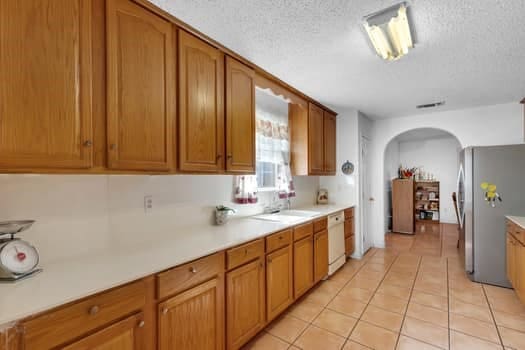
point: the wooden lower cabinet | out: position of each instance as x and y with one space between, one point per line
320 255
193 319
245 303
279 281
516 260
349 245
127 334
303 265
511 259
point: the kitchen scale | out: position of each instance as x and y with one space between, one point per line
18 258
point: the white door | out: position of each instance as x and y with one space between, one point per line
366 199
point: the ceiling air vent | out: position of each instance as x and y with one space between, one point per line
431 105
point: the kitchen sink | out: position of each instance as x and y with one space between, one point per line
302 213
287 216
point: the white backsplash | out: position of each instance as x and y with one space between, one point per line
79 214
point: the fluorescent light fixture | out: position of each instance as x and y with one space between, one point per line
389 31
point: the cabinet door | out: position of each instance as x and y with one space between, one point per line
193 319
279 281
245 303
303 274
240 117
201 105
45 89
519 270
127 334
315 140
140 88
320 255
329 143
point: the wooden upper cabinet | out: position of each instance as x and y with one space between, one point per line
315 140
329 140
245 303
320 255
240 117
127 334
279 281
140 88
193 319
201 105
45 89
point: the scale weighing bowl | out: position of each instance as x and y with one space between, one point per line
15 226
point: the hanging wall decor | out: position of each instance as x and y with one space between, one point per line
347 168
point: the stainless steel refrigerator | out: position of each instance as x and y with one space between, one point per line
483 224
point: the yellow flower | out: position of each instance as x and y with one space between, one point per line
491 194
484 185
492 188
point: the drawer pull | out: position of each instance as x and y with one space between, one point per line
141 323
193 270
246 251
94 310
280 237
164 311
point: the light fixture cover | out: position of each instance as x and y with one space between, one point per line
389 31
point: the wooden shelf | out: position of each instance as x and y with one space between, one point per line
423 189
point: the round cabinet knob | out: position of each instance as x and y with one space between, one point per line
219 156
94 310
88 143
113 147
280 237
229 156
245 251
193 270
164 311
141 323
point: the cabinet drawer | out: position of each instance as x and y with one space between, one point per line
302 231
519 233
349 227
188 275
320 224
516 231
67 323
244 253
349 213
278 240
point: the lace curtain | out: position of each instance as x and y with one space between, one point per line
272 146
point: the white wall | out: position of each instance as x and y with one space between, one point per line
78 214
344 189
439 156
392 162
489 125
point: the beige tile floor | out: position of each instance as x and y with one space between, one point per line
412 295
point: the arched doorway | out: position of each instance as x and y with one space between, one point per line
434 155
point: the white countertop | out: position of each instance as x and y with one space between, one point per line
518 220
74 279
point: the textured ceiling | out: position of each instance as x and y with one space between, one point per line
468 53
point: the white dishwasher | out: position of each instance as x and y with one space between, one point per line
336 241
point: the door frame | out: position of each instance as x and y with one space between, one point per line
364 177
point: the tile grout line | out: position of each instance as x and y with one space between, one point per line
408 303
492 315
310 323
367 303
448 306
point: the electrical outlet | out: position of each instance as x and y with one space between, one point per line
148 204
